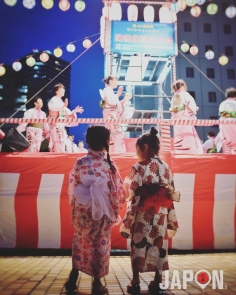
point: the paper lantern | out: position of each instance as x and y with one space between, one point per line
102 31
30 61
191 2
200 2
182 5
195 11
223 60
105 11
29 4
47 4
115 11
17 66
184 47
148 14
165 15
212 8
10 3
230 11
193 50
64 5
209 54
87 43
132 13
70 47
2 70
174 7
80 5
57 52
44 57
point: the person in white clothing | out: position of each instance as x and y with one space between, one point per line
71 147
34 131
59 109
227 111
81 148
209 146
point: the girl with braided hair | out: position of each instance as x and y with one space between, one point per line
96 195
150 189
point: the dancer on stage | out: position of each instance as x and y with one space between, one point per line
227 110
59 109
34 131
96 195
114 108
209 146
183 106
151 216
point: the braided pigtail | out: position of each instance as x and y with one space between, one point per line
113 168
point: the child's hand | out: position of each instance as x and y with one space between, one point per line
78 109
66 102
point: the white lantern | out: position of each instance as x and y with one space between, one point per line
132 13
30 61
212 8
57 52
165 15
149 14
174 7
2 70
105 11
102 31
200 2
223 60
64 5
184 47
209 54
17 66
193 50
195 11
87 43
182 5
230 11
47 4
44 57
10 3
80 5
115 11
29 4
191 2
70 47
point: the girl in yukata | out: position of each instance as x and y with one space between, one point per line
152 219
114 108
96 195
183 106
59 109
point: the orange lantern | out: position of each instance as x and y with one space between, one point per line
132 13
193 50
64 5
149 14
195 11
87 43
44 57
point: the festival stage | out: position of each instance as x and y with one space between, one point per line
35 213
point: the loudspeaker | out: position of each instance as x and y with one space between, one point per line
14 141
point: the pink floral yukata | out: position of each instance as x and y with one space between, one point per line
91 243
149 241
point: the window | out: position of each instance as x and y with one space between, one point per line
210 73
231 74
192 93
227 29
207 28
212 96
190 72
208 47
187 27
229 51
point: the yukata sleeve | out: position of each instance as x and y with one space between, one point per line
172 223
191 104
74 179
132 181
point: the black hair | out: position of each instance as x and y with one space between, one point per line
80 141
211 133
35 99
56 87
230 92
151 139
97 138
108 78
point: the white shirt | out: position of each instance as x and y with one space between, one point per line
32 114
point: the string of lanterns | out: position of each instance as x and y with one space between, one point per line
193 50
44 56
64 5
